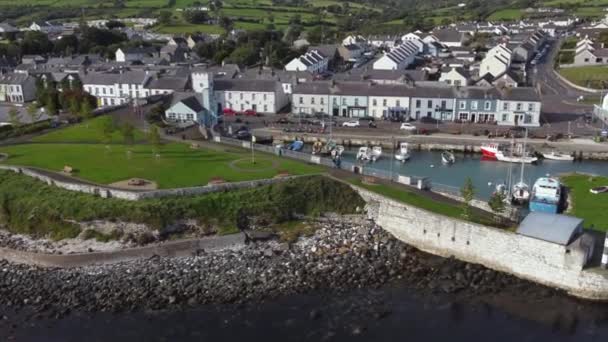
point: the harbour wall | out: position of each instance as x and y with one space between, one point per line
136 195
536 260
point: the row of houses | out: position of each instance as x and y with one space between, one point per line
506 106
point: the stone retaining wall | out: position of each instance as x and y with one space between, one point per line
536 260
168 249
108 192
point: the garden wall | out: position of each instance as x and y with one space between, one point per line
134 195
533 259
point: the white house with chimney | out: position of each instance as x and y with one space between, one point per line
313 61
497 61
398 58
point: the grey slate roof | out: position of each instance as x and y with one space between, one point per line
521 94
245 85
127 77
193 103
173 83
13 78
559 229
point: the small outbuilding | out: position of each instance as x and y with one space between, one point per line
559 229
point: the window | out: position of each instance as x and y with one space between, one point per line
301 99
374 102
322 100
103 90
505 117
429 104
586 60
473 105
449 82
417 103
428 114
230 96
335 101
443 104
356 102
264 97
519 106
527 118
190 116
488 105
242 107
241 96
505 106
397 103
463 116
344 102
463 105
598 60
253 96
265 109
111 91
456 82
312 100
530 107
384 102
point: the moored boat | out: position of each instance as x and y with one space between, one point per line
546 195
296 145
599 189
447 157
558 156
520 193
376 153
490 149
364 153
403 154
526 159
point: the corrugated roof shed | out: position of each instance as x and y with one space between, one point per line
559 229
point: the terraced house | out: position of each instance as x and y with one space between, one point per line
17 88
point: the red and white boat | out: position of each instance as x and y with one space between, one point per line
490 149
500 156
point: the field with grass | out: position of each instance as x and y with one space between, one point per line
587 76
177 165
592 208
422 202
506 14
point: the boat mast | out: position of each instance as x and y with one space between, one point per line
521 177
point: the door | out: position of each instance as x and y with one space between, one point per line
254 107
220 110
336 112
473 117
344 112
516 119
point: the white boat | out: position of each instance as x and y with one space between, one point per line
447 157
520 193
558 156
376 153
500 156
339 149
364 154
546 195
403 155
599 189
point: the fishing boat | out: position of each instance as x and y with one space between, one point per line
317 146
558 156
296 145
376 153
364 154
490 149
403 154
546 195
447 157
501 153
525 159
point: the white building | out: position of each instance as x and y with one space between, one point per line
497 61
414 38
117 88
519 107
456 76
262 96
134 54
313 61
399 58
45 27
17 88
186 108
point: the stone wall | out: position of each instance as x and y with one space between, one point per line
533 259
132 195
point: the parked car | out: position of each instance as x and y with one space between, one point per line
407 127
428 119
228 112
282 121
250 112
353 123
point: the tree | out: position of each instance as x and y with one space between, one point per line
154 138
226 23
195 17
164 17
128 133
32 112
107 128
497 204
74 107
86 111
244 55
112 24
468 193
14 117
51 106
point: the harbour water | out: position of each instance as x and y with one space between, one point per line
484 173
387 314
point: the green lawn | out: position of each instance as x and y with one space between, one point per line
587 76
420 201
86 132
178 166
592 208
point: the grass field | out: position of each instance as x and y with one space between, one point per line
592 208
178 165
506 14
420 201
587 76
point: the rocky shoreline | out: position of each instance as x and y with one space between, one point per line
343 254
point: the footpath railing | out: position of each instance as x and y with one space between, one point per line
357 168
